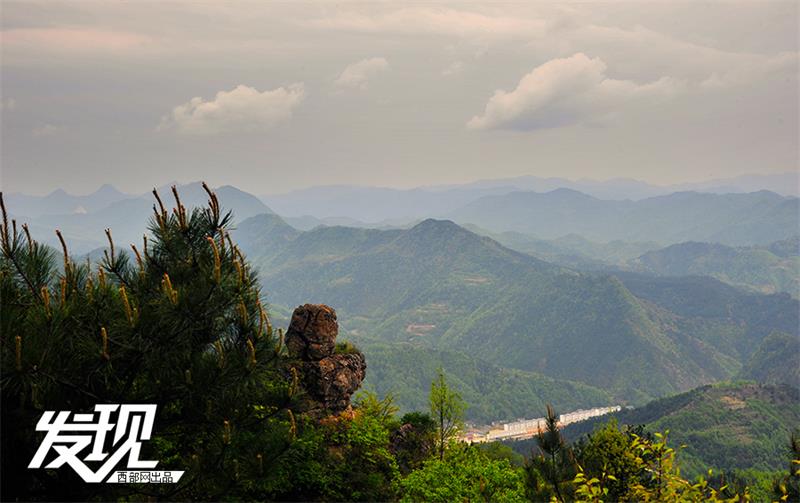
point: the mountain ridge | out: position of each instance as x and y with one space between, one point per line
444 286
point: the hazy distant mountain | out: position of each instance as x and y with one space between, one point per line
738 219
59 202
438 285
766 269
571 250
127 217
753 267
374 204
787 184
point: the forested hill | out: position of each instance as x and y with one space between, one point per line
440 286
724 426
777 361
773 268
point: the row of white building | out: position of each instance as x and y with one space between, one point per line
527 428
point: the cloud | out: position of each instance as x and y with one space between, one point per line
243 109
567 91
435 21
45 130
357 75
643 54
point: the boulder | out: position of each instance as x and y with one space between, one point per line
329 379
333 380
312 332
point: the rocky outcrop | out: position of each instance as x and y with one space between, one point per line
329 378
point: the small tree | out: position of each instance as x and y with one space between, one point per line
655 459
415 440
447 409
550 471
606 455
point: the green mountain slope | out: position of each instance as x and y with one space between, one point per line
777 361
444 287
724 426
493 393
755 268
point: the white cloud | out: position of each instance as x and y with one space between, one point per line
46 130
357 75
641 53
453 68
243 109
567 91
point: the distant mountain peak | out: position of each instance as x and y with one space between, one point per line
107 188
433 223
58 193
563 191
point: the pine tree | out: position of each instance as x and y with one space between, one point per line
550 471
178 322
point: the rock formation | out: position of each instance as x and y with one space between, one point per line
329 378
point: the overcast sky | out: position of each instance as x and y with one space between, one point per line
275 96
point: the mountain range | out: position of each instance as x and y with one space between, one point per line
764 268
377 205
438 286
597 320
82 219
773 268
734 219
497 206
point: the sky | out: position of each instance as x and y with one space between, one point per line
272 96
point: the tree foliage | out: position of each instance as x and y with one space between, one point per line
549 471
447 409
178 323
464 474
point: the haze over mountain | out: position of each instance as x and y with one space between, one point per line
59 202
374 204
737 219
767 268
438 285
124 214
494 206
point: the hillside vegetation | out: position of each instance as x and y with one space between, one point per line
443 287
777 361
493 393
755 268
724 426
